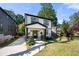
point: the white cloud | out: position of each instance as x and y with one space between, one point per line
74 6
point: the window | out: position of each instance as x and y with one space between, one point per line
46 22
34 19
1 29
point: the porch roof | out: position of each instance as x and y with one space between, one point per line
36 25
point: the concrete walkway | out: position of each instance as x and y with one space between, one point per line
18 48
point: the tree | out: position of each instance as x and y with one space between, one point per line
74 18
64 26
11 13
64 29
47 11
18 18
21 29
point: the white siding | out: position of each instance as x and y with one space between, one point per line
49 32
49 29
41 20
49 24
27 19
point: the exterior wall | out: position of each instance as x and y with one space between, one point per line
8 25
49 29
48 26
27 19
41 20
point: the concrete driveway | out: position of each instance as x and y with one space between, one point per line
19 48
18 41
16 46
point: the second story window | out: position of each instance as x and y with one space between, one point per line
46 22
34 19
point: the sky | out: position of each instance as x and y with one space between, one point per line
63 10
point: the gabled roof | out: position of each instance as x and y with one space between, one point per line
37 16
36 23
7 14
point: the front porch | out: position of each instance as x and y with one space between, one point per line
37 31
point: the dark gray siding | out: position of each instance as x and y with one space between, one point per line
8 25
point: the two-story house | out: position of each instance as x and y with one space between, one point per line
37 27
7 24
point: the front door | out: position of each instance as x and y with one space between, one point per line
35 34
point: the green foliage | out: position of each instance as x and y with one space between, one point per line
47 11
30 42
74 18
64 26
21 29
18 18
11 13
49 38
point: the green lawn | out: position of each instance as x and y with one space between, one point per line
61 48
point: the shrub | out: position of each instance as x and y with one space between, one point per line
20 34
48 38
51 38
30 42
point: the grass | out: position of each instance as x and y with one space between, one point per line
61 48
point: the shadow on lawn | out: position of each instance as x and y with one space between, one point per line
50 41
64 42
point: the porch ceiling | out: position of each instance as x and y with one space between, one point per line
36 26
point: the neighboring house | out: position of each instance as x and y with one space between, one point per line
7 24
37 27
